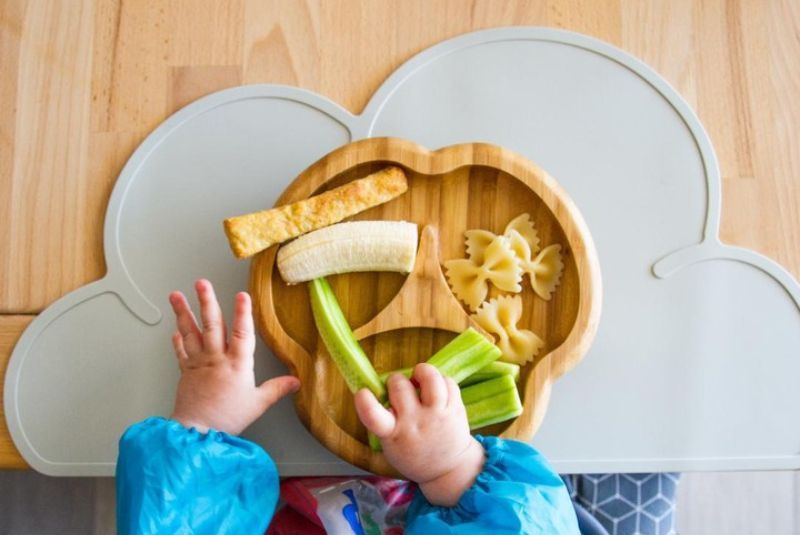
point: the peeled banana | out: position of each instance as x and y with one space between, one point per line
348 247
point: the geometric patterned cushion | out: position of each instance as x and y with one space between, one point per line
628 504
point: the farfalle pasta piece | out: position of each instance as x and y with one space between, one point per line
500 317
477 241
524 226
499 265
545 270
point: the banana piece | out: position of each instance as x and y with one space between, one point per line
348 247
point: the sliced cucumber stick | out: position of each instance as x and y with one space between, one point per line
374 441
492 370
338 338
462 357
499 407
487 389
405 371
487 403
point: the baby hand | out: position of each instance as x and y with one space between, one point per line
426 437
217 387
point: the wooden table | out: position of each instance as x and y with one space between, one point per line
82 82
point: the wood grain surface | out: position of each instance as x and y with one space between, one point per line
83 81
425 296
450 191
11 328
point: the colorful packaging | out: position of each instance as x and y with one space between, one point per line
342 506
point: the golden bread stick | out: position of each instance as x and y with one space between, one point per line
252 233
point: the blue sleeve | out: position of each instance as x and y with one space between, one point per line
517 492
176 480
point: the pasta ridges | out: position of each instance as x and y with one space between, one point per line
524 226
488 260
545 271
499 317
499 265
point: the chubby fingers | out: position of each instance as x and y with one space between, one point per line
454 394
402 394
211 315
433 390
187 325
272 390
373 415
243 338
180 350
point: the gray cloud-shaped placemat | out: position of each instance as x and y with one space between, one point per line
696 359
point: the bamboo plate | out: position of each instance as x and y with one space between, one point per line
403 319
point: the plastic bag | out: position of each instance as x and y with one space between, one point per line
342 506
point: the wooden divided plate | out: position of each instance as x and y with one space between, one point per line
403 319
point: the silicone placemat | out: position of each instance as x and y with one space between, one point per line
696 359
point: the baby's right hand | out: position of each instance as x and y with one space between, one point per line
426 437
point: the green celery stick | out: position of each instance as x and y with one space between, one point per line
405 371
487 389
492 370
487 403
374 441
342 345
499 407
463 356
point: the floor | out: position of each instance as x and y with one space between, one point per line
31 503
717 503
742 503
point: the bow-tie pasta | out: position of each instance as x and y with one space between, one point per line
524 226
498 265
468 277
478 240
500 317
544 270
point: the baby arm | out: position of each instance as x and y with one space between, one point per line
214 480
467 484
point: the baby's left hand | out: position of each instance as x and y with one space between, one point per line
217 387
425 436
